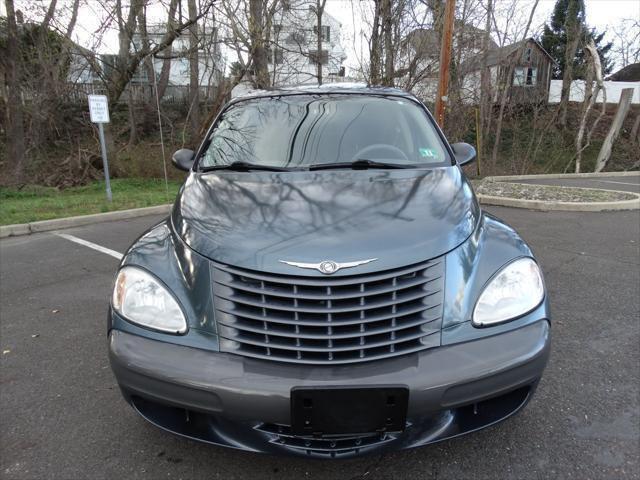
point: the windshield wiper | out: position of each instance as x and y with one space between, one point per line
360 164
240 166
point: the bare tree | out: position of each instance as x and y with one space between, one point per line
485 84
627 41
507 86
194 71
258 41
117 79
614 131
319 11
165 71
573 28
15 119
595 71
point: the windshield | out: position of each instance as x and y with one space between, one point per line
303 130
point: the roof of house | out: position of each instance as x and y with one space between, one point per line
500 55
630 73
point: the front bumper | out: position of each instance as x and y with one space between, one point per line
244 403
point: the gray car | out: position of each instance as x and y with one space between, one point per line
327 285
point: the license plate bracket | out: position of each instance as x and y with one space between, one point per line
348 410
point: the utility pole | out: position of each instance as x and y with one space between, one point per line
445 60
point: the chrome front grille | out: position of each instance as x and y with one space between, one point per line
329 320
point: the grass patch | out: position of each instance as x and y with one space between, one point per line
32 203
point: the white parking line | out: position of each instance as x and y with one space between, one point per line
95 246
612 181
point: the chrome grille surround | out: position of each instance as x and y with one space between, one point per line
329 320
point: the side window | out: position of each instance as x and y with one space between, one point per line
518 77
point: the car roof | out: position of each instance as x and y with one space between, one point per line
326 89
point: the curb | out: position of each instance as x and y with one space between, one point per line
552 176
60 223
546 205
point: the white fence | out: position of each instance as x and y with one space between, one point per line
614 89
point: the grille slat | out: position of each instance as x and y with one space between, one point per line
357 293
328 308
271 343
360 333
327 320
323 281
360 318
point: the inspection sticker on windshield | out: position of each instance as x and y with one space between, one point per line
427 152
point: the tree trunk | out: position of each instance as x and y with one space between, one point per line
635 130
133 130
194 72
319 11
590 98
147 63
258 47
573 29
618 120
15 120
165 72
387 32
486 96
375 50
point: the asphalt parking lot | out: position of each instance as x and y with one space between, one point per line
61 414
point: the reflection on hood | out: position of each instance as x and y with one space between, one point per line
254 220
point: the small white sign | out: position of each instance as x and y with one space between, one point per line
98 108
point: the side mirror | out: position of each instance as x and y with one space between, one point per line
183 159
464 153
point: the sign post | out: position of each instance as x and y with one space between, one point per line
99 113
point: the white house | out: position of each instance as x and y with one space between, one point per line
210 60
82 71
294 51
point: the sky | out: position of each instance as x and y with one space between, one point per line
601 14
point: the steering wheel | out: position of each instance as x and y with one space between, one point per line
396 153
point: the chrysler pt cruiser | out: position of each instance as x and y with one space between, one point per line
327 285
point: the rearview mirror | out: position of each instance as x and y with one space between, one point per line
183 159
464 153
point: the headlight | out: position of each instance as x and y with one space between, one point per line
517 289
141 298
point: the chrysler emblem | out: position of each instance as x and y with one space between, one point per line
328 266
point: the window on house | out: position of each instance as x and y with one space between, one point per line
108 64
140 75
296 38
314 57
525 77
527 55
274 55
518 77
326 33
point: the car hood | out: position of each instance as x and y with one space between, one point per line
256 219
